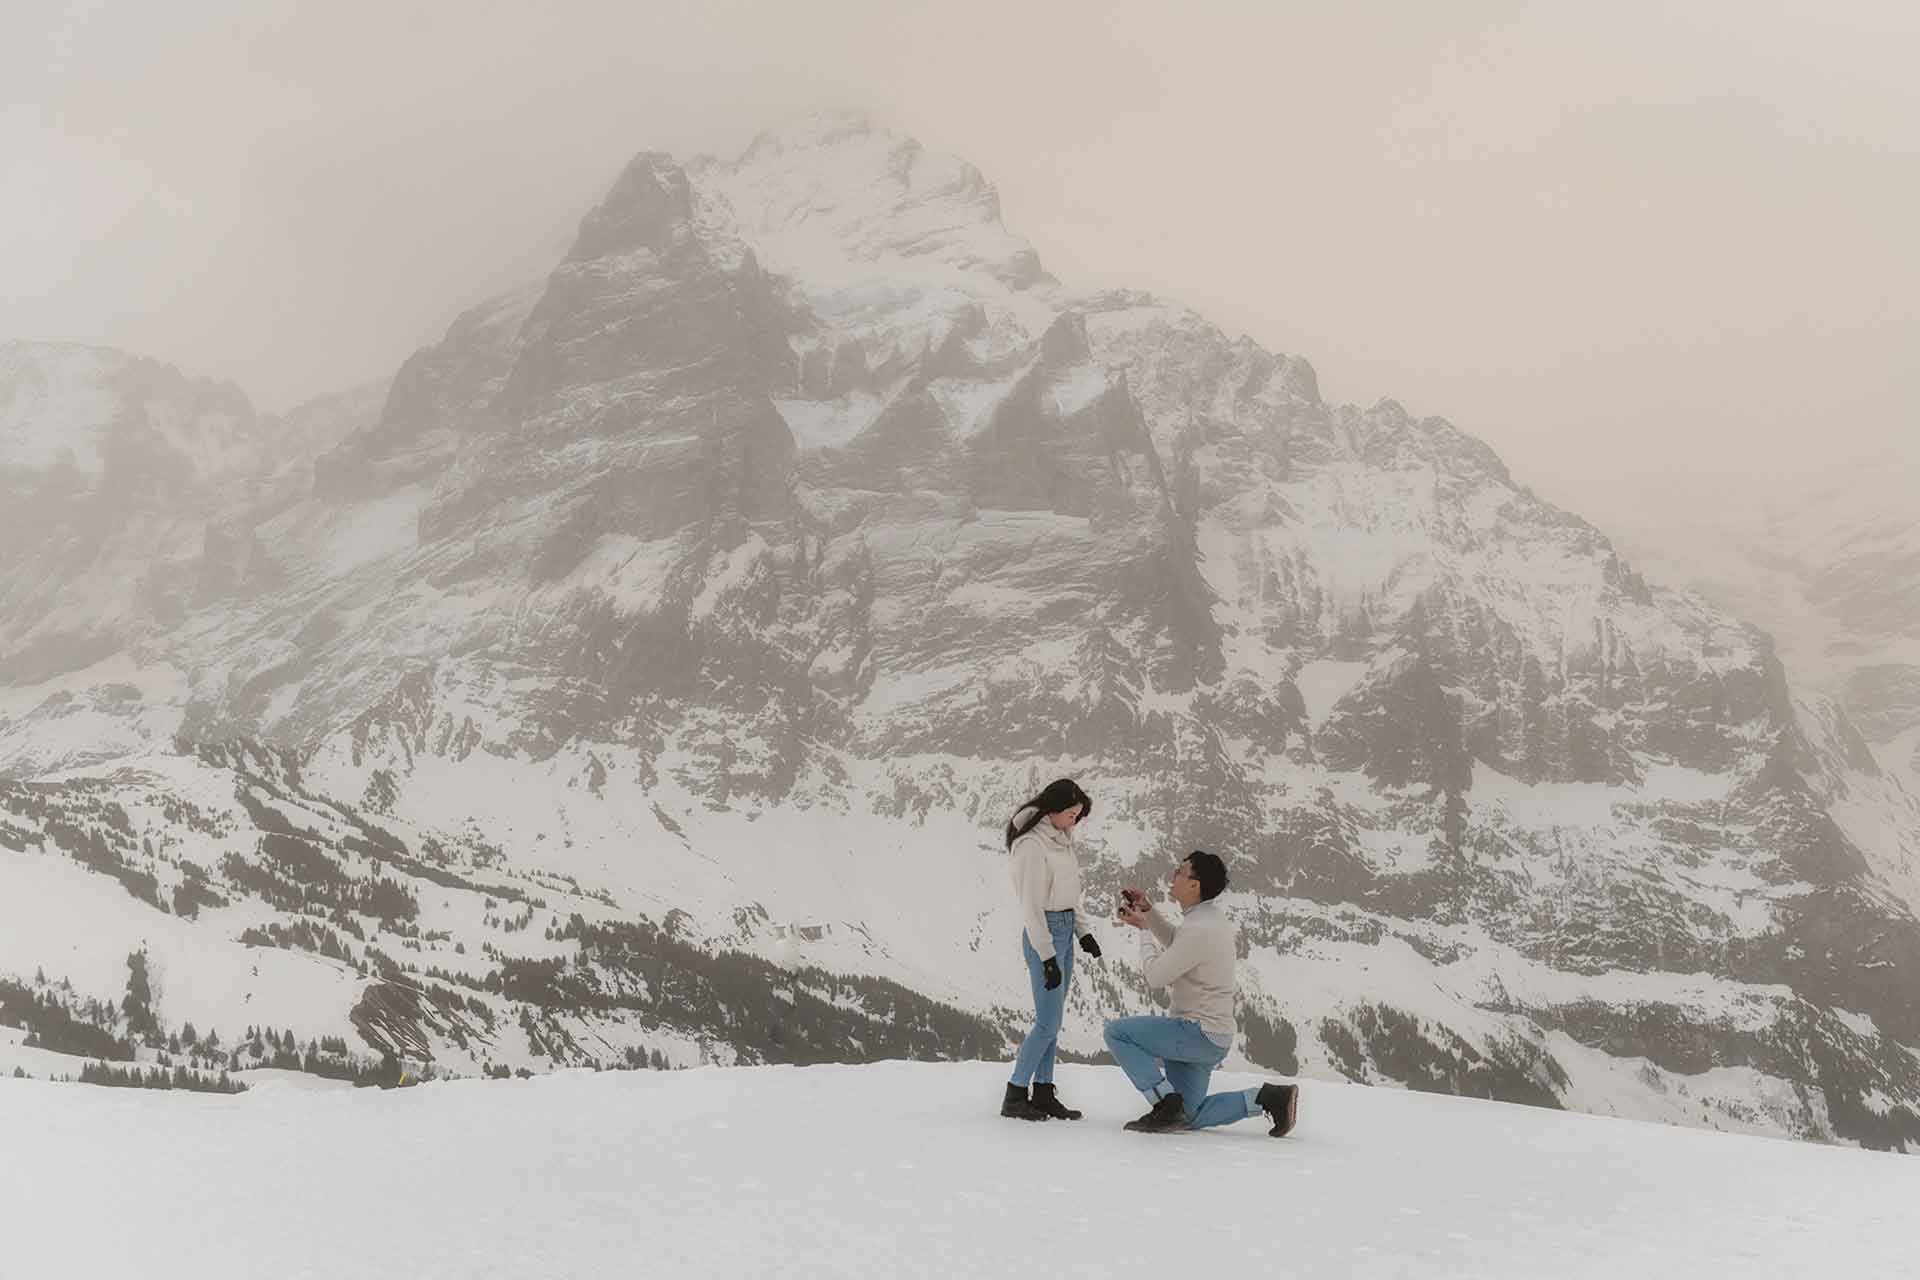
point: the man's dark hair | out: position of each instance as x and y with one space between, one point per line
1056 797
1210 872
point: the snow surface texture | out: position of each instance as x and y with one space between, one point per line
903 1169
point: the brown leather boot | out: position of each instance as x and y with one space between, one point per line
1281 1102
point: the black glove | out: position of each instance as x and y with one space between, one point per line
1088 945
1050 972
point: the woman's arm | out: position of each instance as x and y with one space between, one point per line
1031 874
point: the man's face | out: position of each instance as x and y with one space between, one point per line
1183 886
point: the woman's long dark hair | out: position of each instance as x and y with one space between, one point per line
1056 797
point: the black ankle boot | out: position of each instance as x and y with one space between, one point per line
1281 1102
1016 1106
1045 1099
1169 1115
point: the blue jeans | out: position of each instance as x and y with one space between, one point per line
1173 1055
1034 1062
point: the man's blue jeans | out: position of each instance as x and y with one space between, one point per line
1173 1055
1035 1059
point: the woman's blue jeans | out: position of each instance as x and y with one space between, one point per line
1034 1062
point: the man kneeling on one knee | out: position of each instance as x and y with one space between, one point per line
1170 1059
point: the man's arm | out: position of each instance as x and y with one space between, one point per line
1158 939
1183 949
1161 927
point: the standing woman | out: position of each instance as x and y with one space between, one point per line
1046 875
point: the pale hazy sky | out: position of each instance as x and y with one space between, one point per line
1613 240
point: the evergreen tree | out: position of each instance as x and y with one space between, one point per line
138 1004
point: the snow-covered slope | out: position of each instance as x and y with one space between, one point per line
1829 565
113 472
131 499
721 594
903 1169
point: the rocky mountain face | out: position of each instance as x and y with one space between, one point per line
652 678
105 459
130 499
1830 565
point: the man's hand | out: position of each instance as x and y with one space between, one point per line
1050 972
1088 945
1134 908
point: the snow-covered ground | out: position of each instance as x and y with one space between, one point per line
904 1169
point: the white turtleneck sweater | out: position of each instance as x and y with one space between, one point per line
1046 875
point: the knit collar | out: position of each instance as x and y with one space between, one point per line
1047 831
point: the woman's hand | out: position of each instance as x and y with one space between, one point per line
1088 945
1050 972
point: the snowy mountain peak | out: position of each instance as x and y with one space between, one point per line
814 130
54 405
67 405
649 202
834 194
1386 434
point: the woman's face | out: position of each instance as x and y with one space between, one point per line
1064 820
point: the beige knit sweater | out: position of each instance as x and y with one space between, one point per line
1194 960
